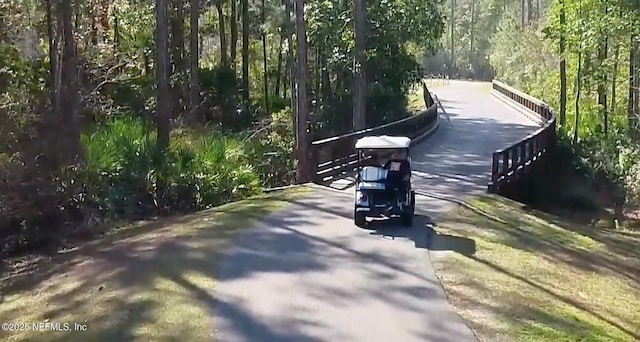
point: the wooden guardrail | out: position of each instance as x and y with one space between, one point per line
516 167
335 156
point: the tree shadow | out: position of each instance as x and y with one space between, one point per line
563 299
119 284
445 242
341 266
517 311
547 237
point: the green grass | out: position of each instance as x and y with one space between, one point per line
516 274
152 281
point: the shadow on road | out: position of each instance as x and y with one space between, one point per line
419 232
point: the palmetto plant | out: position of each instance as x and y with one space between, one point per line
123 168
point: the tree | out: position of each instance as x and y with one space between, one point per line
359 62
224 56
563 67
194 60
265 65
302 143
245 52
69 97
163 112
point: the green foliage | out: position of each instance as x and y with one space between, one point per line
120 180
475 22
271 150
123 169
391 69
608 157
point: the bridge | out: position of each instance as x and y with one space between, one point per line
308 274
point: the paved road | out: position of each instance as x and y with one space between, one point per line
308 274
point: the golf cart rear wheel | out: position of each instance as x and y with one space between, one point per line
407 219
360 219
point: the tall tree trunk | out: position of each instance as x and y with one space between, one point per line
576 123
69 99
93 29
279 75
304 167
116 30
614 78
245 53
325 87
602 80
636 80
194 59
145 63
472 59
234 33
177 54
163 113
265 66
292 62
318 72
359 61
78 16
632 105
224 56
53 54
522 14
563 66
529 12
453 57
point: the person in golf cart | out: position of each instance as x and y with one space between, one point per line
399 170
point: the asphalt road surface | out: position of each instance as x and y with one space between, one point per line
308 274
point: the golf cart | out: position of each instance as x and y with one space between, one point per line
383 180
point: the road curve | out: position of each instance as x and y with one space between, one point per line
308 274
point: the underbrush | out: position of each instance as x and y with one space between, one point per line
123 177
123 169
599 172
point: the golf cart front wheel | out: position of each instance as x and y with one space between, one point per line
360 219
407 219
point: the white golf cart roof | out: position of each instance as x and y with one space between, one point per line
382 142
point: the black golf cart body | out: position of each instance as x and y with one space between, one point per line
375 195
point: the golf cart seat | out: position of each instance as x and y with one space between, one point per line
373 178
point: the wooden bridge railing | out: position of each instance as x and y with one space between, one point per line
335 156
514 167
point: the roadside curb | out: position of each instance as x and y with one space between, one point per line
311 186
531 115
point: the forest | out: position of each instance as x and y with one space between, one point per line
120 110
581 57
114 111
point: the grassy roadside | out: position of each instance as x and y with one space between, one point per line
415 102
153 281
515 274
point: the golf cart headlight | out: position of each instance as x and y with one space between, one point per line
361 198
